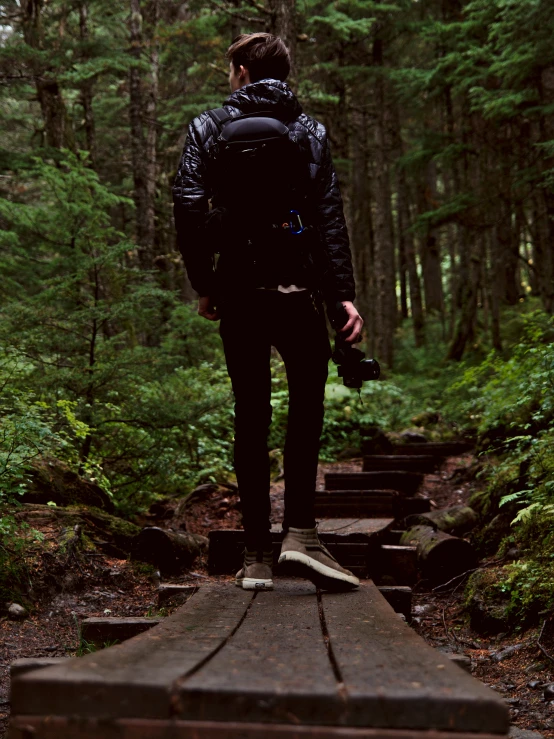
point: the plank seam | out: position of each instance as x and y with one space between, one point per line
341 688
174 709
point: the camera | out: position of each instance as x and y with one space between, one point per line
351 363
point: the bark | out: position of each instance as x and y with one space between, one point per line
283 24
385 292
360 214
58 131
138 143
430 245
440 556
456 521
87 92
406 236
151 125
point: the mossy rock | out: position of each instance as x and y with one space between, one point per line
53 481
486 604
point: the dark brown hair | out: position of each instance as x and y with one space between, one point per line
262 54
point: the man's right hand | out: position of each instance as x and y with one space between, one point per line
207 309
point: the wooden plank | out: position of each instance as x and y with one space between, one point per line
343 536
275 669
408 506
100 631
405 483
392 679
437 448
406 462
396 563
399 597
355 503
135 679
354 529
54 727
175 594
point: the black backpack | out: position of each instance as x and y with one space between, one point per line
261 183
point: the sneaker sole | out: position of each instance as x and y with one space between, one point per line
326 578
250 583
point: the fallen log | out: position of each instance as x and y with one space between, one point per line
458 520
170 551
440 556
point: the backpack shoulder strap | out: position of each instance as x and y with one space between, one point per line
220 117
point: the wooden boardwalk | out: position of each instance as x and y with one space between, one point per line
293 663
288 663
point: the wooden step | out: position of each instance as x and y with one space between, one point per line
401 462
405 483
436 448
102 631
367 504
354 503
399 597
352 541
231 664
394 565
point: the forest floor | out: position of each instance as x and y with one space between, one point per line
97 585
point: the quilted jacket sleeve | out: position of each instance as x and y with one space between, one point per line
190 205
339 277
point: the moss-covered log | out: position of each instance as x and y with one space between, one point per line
458 520
170 551
112 535
440 556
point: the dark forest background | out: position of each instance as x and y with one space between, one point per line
441 118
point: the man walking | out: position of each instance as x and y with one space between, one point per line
278 229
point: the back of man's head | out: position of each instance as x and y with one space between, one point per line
263 55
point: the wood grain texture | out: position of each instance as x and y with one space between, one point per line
394 680
135 679
275 668
54 727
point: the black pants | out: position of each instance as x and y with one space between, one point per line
292 323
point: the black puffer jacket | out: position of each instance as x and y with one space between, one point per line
192 191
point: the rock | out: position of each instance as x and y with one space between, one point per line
548 693
425 610
506 653
17 612
413 437
535 667
535 684
517 733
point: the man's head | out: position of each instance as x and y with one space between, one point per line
257 56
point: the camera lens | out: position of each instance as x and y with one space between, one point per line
369 369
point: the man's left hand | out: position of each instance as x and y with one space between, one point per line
352 329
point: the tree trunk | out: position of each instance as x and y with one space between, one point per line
170 551
440 556
57 125
407 238
138 143
87 92
283 24
385 287
430 246
360 214
456 521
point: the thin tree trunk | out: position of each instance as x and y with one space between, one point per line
87 92
58 129
385 292
283 24
360 213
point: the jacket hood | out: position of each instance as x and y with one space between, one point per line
271 95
